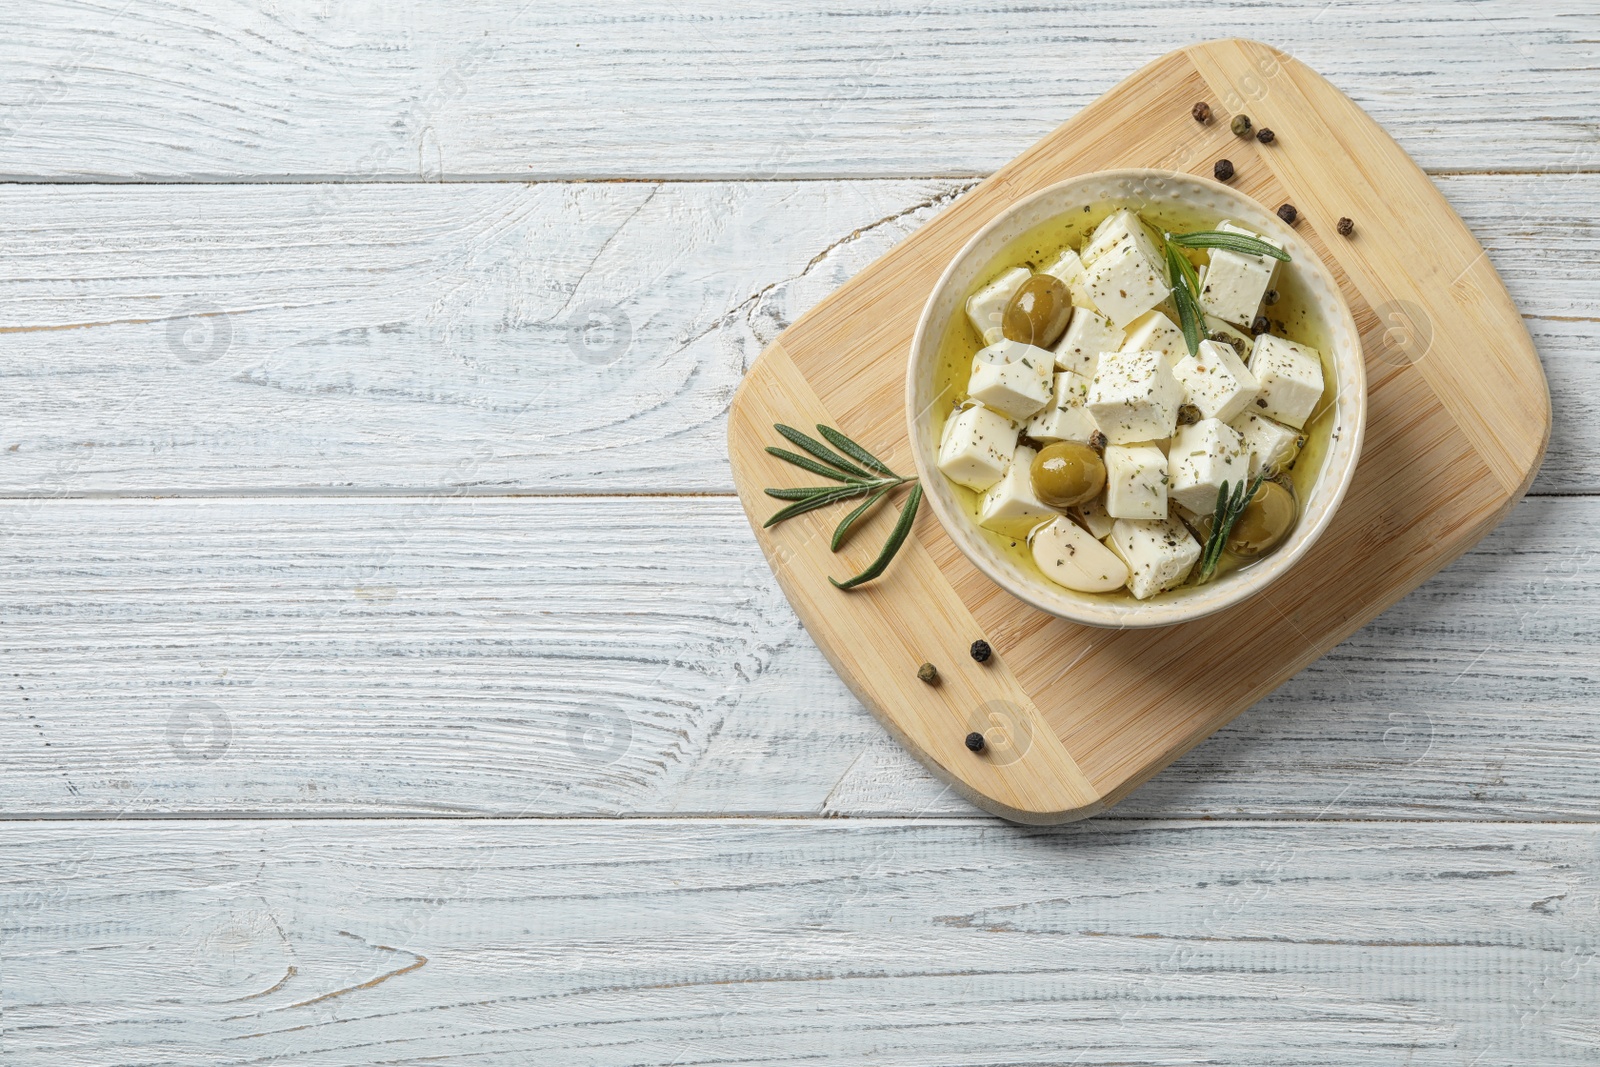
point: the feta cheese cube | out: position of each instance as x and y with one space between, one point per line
975 447
985 307
1134 397
1216 381
1159 554
1117 229
1270 444
1154 332
1201 458
1012 377
1068 269
1069 556
1095 518
1088 335
1242 342
1065 418
1290 379
1234 283
1124 284
1010 506
1136 482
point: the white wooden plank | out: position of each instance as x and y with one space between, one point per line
190 90
771 942
425 338
574 656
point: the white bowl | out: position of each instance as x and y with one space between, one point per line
1140 190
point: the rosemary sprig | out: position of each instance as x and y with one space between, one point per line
856 473
1229 508
1232 242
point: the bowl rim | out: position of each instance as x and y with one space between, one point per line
1159 611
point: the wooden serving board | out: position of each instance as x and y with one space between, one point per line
1077 717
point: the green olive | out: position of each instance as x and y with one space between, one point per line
1038 312
1067 474
1264 521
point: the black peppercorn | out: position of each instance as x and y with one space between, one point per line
1346 227
1260 326
1272 296
1240 125
1265 136
928 673
975 741
1223 170
1288 214
981 650
1201 112
1097 441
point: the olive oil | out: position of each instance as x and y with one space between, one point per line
1039 247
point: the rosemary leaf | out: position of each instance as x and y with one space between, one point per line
809 464
820 450
851 519
1231 242
897 537
1189 314
802 493
855 451
821 500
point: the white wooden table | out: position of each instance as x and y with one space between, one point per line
390 675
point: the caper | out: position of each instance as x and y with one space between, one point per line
1067 474
1038 313
1264 521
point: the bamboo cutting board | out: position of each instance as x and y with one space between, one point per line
1077 717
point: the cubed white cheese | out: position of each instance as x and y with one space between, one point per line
1290 379
1159 554
1134 397
1241 340
1234 283
1069 556
985 307
1088 335
1136 482
1202 457
1095 518
1270 444
1012 377
975 447
1154 332
1065 418
1124 284
1121 228
1068 268
1216 381
1010 506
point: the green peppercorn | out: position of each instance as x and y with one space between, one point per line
928 673
1240 125
1188 414
981 650
1288 214
1223 170
975 741
1260 326
1265 136
1346 227
1201 112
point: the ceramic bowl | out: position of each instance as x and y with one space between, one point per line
1142 190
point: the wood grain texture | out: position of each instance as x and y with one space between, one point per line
755 942
588 656
423 338
1451 442
300 89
